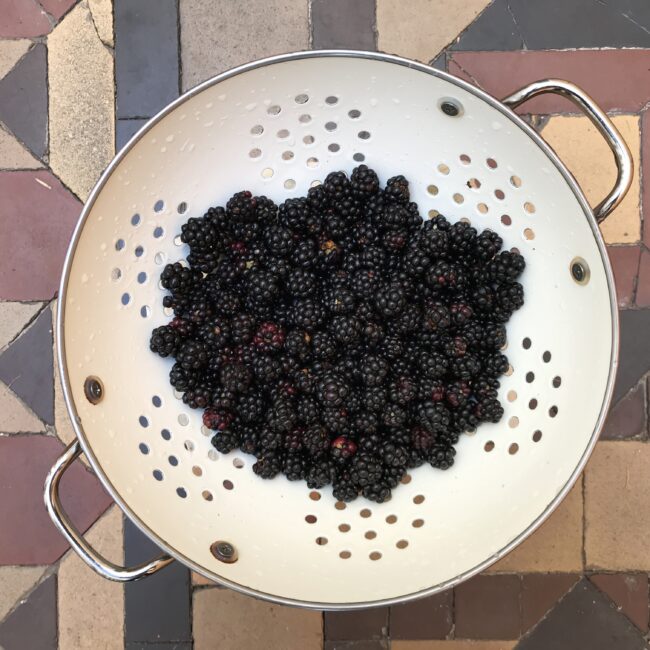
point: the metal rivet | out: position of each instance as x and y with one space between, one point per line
224 551
94 390
580 270
450 108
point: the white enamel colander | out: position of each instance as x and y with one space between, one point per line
276 127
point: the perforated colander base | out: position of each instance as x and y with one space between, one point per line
278 129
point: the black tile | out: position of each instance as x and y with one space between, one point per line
634 353
343 24
373 644
124 129
426 618
494 29
183 645
157 608
358 625
146 56
584 618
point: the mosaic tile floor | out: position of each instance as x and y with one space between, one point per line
77 79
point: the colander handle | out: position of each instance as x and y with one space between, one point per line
598 117
87 553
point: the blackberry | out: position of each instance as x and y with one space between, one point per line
378 492
457 393
269 465
294 214
295 467
262 286
441 457
224 400
373 370
344 488
164 340
465 367
297 344
510 297
488 410
444 275
462 239
364 283
493 336
506 266
323 346
339 300
436 317
394 239
307 314
315 440
342 449
241 207
265 210
454 347
279 241
227 440
192 355
317 198
433 417
365 469
301 283
184 327
242 328
215 333
235 377
199 397
365 422
422 439
397 190
494 365
434 242
393 347
403 390
334 226
461 313
374 398
345 329
416 261
332 390
281 417
269 337
304 254
364 182
320 474
250 408
433 365
336 420
217 420
393 416
390 299
179 279
487 245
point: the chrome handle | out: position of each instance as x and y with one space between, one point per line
598 117
87 553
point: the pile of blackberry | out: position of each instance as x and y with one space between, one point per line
338 337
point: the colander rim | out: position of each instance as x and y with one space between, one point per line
69 258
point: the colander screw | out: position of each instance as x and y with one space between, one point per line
580 270
224 551
94 390
450 108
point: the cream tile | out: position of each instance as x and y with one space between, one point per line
81 104
420 29
13 318
102 14
556 546
198 579
227 620
589 159
16 581
13 155
617 507
10 53
282 26
91 608
453 645
15 417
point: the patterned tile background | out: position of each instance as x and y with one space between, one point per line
77 79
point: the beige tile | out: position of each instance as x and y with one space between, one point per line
556 546
15 417
420 29
219 34
227 620
10 53
13 155
585 153
13 318
617 507
16 581
453 645
198 579
91 608
102 14
81 106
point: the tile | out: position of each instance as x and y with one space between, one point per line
180 645
57 8
27 535
634 350
420 29
540 593
11 52
287 20
584 618
81 101
643 286
146 55
16 581
13 318
625 264
453 645
101 12
32 625
426 618
555 546
156 609
15 417
629 592
48 213
26 367
494 29
125 129
584 151
368 644
23 100
198 579
13 155
616 79
23 18
487 607
342 24
617 509
645 187
83 593
627 418
360 624
227 620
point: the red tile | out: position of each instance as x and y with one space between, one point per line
625 263
643 284
627 418
616 79
37 217
27 536
487 607
630 593
57 8
645 185
23 18
539 594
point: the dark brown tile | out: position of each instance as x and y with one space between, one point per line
374 644
627 419
584 618
427 618
360 625
629 591
343 24
616 79
487 607
540 592
634 351
625 264
643 286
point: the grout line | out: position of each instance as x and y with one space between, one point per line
310 26
178 48
584 521
373 25
456 39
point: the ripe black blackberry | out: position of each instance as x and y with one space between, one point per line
488 410
179 279
227 440
505 266
336 420
365 470
235 377
345 329
373 369
390 299
307 313
364 182
465 367
403 390
487 245
378 492
295 466
320 473
215 333
344 488
294 215
444 275
301 283
164 340
250 408
262 286
268 465
269 337
441 457
192 355
241 207
433 417
397 190
199 397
